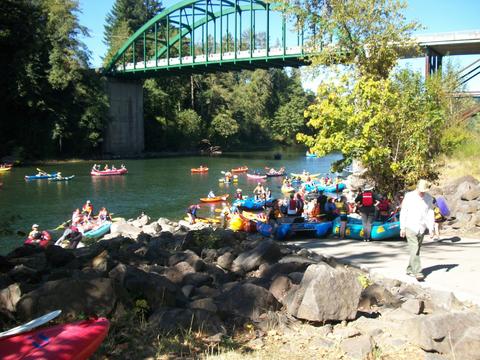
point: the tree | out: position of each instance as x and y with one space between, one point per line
394 126
223 127
368 34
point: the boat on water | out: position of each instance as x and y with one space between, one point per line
333 188
62 178
308 154
252 204
256 176
240 169
287 189
108 172
199 170
5 168
40 177
72 341
380 231
43 242
274 173
305 176
215 198
98 231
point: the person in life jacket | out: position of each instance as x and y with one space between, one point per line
438 220
342 212
103 215
300 204
292 206
35 234
366 203
384 207
87 209
192 213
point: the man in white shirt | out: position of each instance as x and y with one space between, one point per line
415 217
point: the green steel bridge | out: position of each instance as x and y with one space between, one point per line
200 36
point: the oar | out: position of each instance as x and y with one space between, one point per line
40 170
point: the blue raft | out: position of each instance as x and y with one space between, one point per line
99 231
380 231
284 230
325 188
252 204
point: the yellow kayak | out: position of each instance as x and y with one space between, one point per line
287 189
305 176
5 169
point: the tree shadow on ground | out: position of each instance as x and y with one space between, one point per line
427 271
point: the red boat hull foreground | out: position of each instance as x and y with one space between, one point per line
73 341
108 172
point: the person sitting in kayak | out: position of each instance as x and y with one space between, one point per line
41 173
104 215
35 234
87 209
192 213
211 194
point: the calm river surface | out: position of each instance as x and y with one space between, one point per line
159 187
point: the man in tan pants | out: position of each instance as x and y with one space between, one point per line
415 217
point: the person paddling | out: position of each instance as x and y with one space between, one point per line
192 213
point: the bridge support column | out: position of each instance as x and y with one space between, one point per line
124 135
433 62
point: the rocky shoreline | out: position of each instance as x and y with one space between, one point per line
166 277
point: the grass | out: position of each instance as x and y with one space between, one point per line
464 161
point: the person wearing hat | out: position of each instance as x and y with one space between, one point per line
417 215
192 213
87 209
366 202
238 194
35 234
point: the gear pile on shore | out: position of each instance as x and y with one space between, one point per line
215 281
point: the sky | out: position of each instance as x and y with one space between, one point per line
435 16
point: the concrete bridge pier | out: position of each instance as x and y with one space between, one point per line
124 134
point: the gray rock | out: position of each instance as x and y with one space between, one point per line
271 271
204 304
100 262
152 229
414 306
10 296
358 347
463 188
73 297
247 301
280 286
439 332
126 230
58 256
207 291
35 261
209 255
297 259
345 332
468 346
377 295
141 221
325 294
296 277
189 257
322 343
434 356
24 274
225 261
266 251
172 319
177 273
445 300
187 290
197 279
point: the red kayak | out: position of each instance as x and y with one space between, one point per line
108 172
44 240
74 341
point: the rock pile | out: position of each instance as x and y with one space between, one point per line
216 280
463 198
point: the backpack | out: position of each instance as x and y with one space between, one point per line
367 198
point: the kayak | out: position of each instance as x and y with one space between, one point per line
39 177
98 231
240 169
251 203
5 168
318 229
63 178
310 155
72 341
257 177
253 216
287 189
108 172
215 199
276 173
305 176
44 240
199 170
380 231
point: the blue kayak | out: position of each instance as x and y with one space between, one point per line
380 231
39 177
99 231
252 204
325 188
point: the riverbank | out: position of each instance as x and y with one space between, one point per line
175 290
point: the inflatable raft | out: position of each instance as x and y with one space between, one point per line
251 203
108 172
99 231
317 229
380 231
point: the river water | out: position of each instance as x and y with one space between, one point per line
160 187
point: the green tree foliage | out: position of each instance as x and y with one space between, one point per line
52 102
368 34
394 126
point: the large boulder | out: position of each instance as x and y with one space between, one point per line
267 251
126 230
58 256
440 332
74 297
246 301
325 294
471 194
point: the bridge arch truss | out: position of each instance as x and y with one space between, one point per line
198 36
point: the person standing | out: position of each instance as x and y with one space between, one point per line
366 207
416 216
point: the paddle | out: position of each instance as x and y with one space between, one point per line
41 171
31 324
